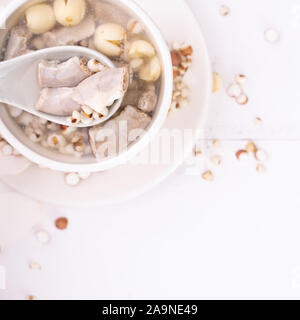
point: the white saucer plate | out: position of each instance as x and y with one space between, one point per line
178 24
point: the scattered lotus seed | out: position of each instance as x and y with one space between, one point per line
260 168
217 82
242 99
72 179
251 147
43 236
197 152
61 223
240 79
216 143
261 156
234 90
208 176
257 121
34 265
241 154
272 35
224 10
216 160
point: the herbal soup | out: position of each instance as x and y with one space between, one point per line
82 89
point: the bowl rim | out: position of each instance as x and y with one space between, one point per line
143 141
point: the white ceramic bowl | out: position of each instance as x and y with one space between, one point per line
47 158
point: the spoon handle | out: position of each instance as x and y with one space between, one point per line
18 82
8 82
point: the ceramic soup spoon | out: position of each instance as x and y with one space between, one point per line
19 85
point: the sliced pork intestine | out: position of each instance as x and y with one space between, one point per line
66 35
102 89
104 139
98 91
18 42
53 74
57 101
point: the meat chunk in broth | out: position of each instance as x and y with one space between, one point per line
53 74
105 139
102 89
17 42
148 100
57 101
66 35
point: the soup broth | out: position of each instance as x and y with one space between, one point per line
100 25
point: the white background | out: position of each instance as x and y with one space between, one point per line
237 237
